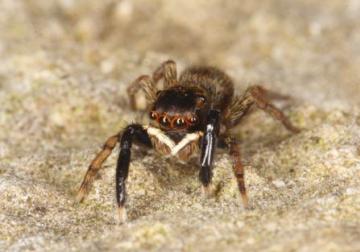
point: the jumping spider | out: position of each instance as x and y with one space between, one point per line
192 113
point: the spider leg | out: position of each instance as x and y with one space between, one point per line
166 70
238 168
208 145
132 132
95 166
145 83
255 95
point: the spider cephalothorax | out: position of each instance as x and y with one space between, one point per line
186 118
178 108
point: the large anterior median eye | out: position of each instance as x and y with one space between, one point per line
180 122
164 121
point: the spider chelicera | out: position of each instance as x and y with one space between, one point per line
191 114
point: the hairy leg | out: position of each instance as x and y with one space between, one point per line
255 95
238 168
166 70
95 166
144 83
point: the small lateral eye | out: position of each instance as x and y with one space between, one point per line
193 119
180 121
153 115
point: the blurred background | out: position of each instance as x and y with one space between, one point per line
309 45
64 69
89 51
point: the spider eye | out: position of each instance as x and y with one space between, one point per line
164 121
153 115
193 119
180 122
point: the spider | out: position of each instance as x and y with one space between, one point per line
191 114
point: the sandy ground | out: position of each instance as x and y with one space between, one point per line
64 69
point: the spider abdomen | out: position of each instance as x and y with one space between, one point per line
216 85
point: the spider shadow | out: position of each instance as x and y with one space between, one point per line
268 137
268 169
169 171
171 176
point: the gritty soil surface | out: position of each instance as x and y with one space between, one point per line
64 69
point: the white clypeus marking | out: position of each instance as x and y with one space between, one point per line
160 136
185 141
175 148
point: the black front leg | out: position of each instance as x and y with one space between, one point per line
208 146
132 132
